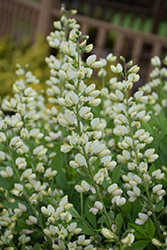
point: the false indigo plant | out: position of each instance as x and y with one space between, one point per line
83 173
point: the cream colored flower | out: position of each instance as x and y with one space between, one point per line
128 240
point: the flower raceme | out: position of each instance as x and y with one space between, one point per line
91 144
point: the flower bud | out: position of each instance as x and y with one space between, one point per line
107 234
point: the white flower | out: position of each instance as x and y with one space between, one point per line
29 92
128 240
83 241
72 228
65 148
118 96
114 190
134 194
143 166
124 157
149 153
60 246
7 173
28 175
18 189
67 119
157 174
120 119
71 98
158 190
97 124
24 133
99 177
88 48
116 69
79 161
133 78
142 219
21 209
139 96
98 205
107 234
16 142
156 243
90 90
155 61
40 151
24 239
118 200
91 61
111 58
31 220
83 188
134 69
32 115
23 149
2 137
68 50
49 173
93 210
108 163
2 156
64 203
36 133
85 113
121 130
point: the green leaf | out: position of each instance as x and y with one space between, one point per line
8 163
97 162
150 228
126 207
23 247
140 230
61 180
118 221
139 245
86 227
74 213
159 206
116 173
101 220
57 161
161 116
90 216
155 121
37 247
163 129
13 245
151 169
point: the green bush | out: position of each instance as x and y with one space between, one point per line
91 171
13 53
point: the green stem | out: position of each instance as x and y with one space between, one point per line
108 220
26 195
145 184
153 211
81 198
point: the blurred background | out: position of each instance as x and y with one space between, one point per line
136 29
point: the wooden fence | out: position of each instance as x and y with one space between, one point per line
20 17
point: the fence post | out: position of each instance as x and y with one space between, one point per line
44 17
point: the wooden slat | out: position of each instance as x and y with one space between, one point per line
100 41
84 28
137 49
155 51
118 44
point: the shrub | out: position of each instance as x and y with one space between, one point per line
13 53
90 172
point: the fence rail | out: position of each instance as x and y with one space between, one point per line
19 17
